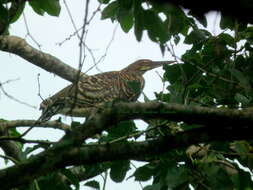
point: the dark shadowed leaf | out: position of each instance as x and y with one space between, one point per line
52 182
52 7
93 184
201 18
157 30
196 36
240 98
123 128
111 10
143 173
104 1
228 39
240 77
71 177
152 187
3 13
176 176
172 73
119 169
125 17
18 13
227 22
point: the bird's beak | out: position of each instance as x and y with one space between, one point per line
155 64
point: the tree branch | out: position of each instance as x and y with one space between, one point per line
221 124
24 123
20 47
91 154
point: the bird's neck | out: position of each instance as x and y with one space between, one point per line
130 75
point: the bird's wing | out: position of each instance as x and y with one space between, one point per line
88 92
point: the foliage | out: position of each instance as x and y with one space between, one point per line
216 72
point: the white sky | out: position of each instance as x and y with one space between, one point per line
48 31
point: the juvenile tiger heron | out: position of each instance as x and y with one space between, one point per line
92 91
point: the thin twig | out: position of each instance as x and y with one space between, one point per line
74 25
105 179
106 51
138 181
38 80
136 134
12 97
22 140
28 33
9 158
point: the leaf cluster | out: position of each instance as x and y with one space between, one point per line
10 14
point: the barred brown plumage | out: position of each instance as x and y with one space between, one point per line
78 99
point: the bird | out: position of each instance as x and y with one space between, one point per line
90 92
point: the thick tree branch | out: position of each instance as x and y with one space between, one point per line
20 47
222 124
91 154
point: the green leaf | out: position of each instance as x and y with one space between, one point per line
172 73
157 30
35 4
123 128
242 99
228 39
119 169
18 13
143 173
111 10
75 124
176 176
104 1
162 48
52 182
176 21
196 36
138 20
71 177
227 22
201 18
4 16
242 180
14 133
240 77
240 147
93 184
52 7
125 18
95 169
217 177
152 187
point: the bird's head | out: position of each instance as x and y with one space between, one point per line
143 65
